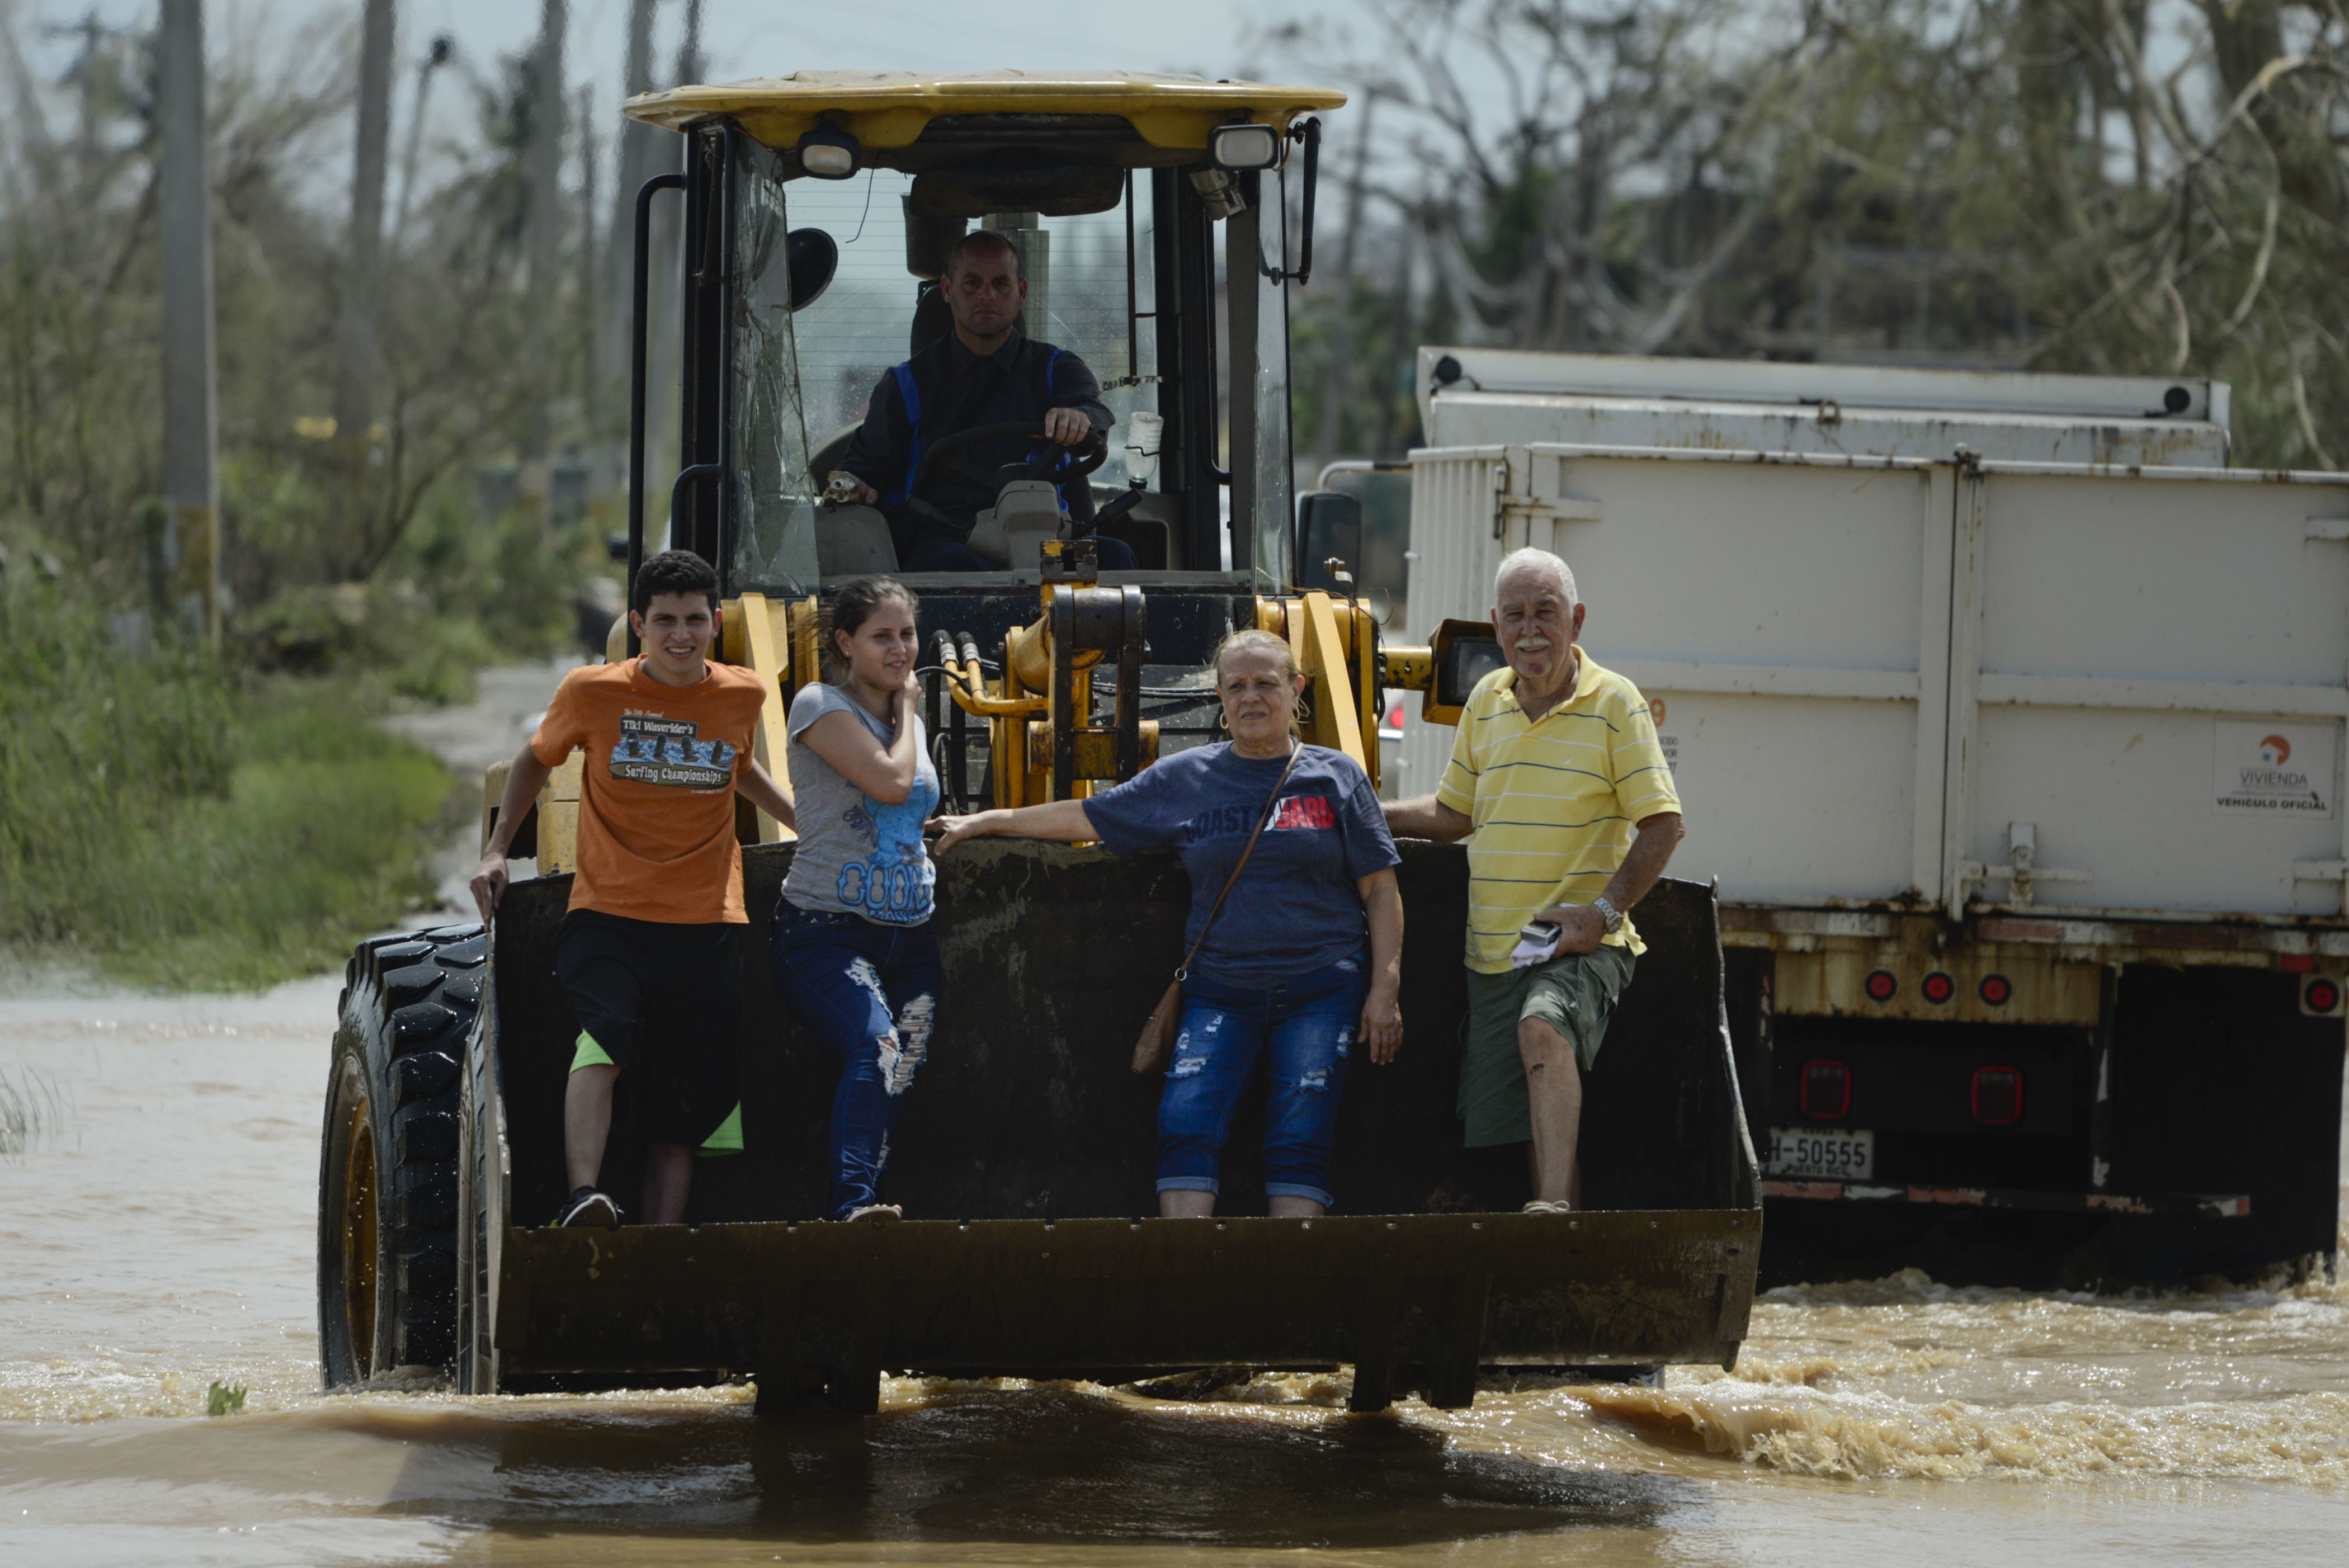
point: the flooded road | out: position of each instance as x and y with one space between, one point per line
156 1236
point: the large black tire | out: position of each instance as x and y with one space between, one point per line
480 1198
388 1183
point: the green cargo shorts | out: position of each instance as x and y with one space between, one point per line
1574 993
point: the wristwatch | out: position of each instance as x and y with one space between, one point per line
1608 913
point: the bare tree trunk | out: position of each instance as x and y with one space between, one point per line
587 315
640 149
190 425
355 380
1567 327
443 45
1337 371
1399 350
2245 34
2131 14
545 175
665 304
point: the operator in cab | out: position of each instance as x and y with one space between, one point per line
984 372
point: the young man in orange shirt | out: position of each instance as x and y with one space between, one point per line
650 952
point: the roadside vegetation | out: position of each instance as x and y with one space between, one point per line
30 1105
2112 187
182 811
180 823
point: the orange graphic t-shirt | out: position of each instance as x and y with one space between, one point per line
657 801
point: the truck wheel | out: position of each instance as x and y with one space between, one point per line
387 1161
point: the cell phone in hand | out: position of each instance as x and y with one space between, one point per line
1541 933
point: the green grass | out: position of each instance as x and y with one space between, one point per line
185 829
30 1105
321 838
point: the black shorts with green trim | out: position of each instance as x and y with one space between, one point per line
664 1004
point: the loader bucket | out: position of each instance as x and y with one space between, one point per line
1025 1164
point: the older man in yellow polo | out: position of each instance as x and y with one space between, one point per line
1558 785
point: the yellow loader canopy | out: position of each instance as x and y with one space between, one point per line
906 121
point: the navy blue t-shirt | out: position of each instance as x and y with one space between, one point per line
1296 908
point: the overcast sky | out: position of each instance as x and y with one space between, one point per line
740 38
772 37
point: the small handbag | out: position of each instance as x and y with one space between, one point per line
1159 1032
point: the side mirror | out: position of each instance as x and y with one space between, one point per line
1463 653
1464 663
1329 523
812 257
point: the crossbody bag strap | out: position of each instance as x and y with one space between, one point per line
1264 817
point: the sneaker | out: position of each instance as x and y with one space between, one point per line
876 1211
1545 1206
587 1207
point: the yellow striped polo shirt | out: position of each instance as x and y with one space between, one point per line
1555 802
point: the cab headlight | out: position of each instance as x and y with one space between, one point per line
1243 147
829 152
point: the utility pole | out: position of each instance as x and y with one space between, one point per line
1338 369
183 209
354 382
443 45
543 169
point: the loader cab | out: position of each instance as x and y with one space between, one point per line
1159 221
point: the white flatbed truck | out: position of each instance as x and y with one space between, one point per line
2010 720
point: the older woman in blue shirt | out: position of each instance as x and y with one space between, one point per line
1304 965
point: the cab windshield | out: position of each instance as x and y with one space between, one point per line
800 381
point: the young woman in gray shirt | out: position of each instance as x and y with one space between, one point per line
854 956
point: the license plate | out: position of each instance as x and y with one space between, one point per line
1838 1153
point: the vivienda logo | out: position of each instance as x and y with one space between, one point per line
2275 770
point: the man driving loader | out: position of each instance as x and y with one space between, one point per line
985 372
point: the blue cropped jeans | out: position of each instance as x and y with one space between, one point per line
870 992
1306 1027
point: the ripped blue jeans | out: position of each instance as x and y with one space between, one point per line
870 992
1310 1024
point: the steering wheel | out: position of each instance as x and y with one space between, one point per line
944 461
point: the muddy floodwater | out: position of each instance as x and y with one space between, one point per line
157 1237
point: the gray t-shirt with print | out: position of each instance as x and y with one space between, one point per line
854 853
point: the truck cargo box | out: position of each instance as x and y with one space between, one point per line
1903 682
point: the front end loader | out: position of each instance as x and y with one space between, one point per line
1024 1155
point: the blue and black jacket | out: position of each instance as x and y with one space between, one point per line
944 389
